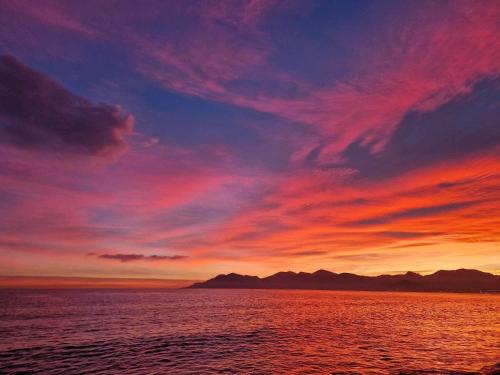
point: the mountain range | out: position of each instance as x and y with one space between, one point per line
461 280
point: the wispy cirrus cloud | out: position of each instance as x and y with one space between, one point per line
53 16
467 125
367 106
413 213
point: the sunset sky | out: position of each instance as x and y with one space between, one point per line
183 139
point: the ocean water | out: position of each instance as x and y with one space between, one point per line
246 331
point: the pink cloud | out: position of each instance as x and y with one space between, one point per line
426 65
53 15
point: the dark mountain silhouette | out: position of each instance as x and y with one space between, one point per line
462 280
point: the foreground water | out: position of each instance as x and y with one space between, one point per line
245 331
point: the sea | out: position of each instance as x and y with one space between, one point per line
212 331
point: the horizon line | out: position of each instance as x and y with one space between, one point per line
68 282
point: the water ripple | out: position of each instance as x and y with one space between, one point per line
258 332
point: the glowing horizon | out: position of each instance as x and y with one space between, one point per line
182 140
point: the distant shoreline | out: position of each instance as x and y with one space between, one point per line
459 281
356 290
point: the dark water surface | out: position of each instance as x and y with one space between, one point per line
245 331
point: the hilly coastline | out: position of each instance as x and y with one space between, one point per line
461 280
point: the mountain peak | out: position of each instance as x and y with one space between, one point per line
462 273
413 275
322 272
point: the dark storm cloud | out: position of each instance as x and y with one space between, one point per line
464 126
38 113
134 257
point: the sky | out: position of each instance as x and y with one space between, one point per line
183 139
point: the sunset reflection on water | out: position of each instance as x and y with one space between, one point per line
243 331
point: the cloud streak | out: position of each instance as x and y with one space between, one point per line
413 213
124 258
